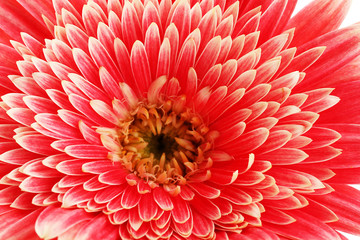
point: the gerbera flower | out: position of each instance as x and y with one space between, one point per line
152 119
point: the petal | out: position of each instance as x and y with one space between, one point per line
140 66
206 207
342 46
130 25
203 227
181 212
37 143
147 207
90 230
48 227
307 227
329 15
205 190
16 19
23 228
271 18
163 199
348 105
130 198
76 195
87 151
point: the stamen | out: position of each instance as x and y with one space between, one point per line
185 144
162 162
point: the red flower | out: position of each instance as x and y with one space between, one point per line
178 120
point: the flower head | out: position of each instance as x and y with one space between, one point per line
178 119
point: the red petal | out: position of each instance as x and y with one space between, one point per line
87 151
91 229
306 227
203 227
130 198
181 212
236 196
147 207
140 66
48 227
205 207
328 14
163 199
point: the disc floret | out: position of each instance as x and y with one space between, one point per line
163 144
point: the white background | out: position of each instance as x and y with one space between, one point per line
352 17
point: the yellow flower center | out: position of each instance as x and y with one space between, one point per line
162 144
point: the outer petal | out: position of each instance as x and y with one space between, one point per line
342 46
328 15
15 19
49 227
22 228
307 227
348 106
97 229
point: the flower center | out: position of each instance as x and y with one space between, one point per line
162 144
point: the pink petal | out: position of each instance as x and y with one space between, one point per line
76 195
53 123
162 199
181 212
205 190
140 66
91 18
23 228
236 196
78 40
271 18
333 57
206 207
208 57
186 60
147 207
101 57
307 227
37 143
90 230
204 226
329 15
284 156
152 46
130 198
223 177
87 151
130 25
37 185
113 176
